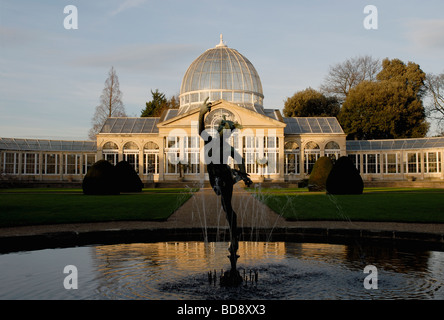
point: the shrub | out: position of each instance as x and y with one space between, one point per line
344 178
319 174
100 179
127 178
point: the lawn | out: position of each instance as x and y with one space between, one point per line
375 204
49 206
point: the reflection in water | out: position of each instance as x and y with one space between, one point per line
178 270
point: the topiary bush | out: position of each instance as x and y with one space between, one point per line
344 178
127 178
100 179
319 174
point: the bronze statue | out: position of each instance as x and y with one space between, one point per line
222 180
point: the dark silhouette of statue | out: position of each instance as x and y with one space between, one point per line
222 179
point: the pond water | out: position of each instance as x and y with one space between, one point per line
179 270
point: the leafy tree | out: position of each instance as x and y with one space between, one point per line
111 104
410 75
390 107
158 104
311 103
346 75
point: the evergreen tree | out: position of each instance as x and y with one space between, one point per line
158 104
155 107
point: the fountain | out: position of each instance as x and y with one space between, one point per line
173 270
222 180
164 266
161 265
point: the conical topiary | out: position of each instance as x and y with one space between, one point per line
127 178
100 179
344 178
319 174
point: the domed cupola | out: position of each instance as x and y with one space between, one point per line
221 73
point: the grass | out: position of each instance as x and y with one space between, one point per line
30 206
375 204
20 207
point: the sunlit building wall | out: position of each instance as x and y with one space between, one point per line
275 148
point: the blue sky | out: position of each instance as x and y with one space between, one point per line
52 78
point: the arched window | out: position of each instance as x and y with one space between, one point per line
332 145
130 146
213 119
291 157
312 153
151 158
131 154
110 152
151 146
332 150
110 146
311 146
291 145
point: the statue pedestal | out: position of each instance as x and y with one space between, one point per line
231 278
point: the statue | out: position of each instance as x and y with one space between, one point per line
222 180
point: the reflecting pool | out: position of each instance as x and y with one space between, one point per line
179 270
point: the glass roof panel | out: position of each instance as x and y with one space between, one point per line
221 68
299 125
325 127
138 126
334 125
45 145
395 144
33 144
118 125
314 125
128 125
109 123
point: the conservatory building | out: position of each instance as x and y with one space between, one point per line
168 148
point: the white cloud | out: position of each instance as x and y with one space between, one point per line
427 34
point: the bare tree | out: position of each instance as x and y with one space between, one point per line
111 104
348 74
435 88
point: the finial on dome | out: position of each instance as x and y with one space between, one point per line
221 43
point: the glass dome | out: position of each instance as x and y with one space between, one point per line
221 73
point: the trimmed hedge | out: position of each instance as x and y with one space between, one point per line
344 178
101 179
127 178
319 174
105 179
